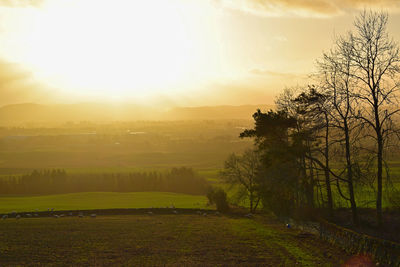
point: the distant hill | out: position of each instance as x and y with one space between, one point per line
29 112
22 113
214 112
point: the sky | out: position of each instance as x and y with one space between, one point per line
168 52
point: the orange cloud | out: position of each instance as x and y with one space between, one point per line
18 85
283 75
315 8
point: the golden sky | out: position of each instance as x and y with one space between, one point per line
185 52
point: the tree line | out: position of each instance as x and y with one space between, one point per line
58 181
335 133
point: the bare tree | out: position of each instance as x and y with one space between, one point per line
375 64
242 171
338 85
360 76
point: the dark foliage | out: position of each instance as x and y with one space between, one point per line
279 186
178 180
218 197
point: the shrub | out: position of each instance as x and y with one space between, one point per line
218 197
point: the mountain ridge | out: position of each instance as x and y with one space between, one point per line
33 112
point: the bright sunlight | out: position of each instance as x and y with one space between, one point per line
114 49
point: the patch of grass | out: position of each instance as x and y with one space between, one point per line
212 175
164 240
365 196
293 247
100 200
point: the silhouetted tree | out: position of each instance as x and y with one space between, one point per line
280 185
242 171
339 85
368 63
313 105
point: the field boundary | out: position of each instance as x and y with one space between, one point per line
128 211
383 251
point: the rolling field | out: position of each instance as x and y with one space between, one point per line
160 240
100 200
366 194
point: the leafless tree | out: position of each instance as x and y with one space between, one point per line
242 171
338 85
375 64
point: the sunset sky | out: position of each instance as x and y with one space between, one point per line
183 52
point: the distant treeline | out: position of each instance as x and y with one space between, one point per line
58 181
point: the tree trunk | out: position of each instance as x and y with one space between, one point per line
327 175
350 175
311 187
379 138
258 201
251 202
379 181
303 183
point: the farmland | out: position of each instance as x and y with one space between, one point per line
100 200
129 145
199 133
147 148
87 148
142 240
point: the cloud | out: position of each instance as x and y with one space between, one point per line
275 74
21 3
18 85
237 93
307 8
280 38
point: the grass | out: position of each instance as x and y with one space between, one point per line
100 200
212 175
163 240
93 159
366 196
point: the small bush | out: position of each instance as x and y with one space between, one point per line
218 197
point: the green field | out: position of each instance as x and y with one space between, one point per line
366 193
100 200
160 240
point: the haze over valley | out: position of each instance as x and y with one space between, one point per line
199 133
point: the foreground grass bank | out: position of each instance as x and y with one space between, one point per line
100 200
160 240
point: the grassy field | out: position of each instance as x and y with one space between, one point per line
366 194
163 240
100 200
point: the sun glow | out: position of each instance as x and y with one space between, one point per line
112 48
